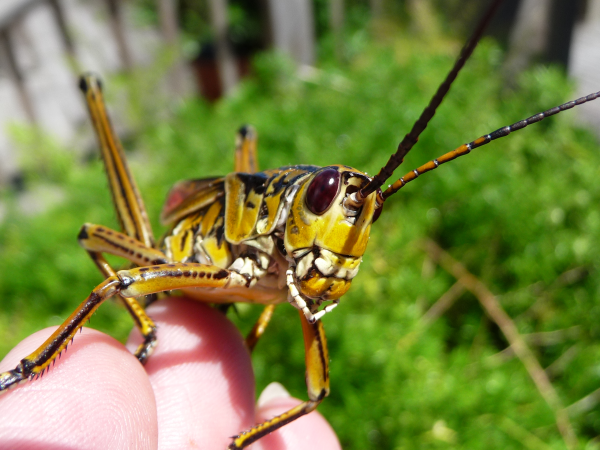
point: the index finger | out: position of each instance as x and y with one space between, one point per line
201 375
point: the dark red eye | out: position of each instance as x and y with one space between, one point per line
322 190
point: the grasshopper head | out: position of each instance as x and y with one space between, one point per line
326 235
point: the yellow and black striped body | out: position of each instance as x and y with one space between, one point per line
258 225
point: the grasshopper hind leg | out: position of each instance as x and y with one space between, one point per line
127 200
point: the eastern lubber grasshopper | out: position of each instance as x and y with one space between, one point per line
226 214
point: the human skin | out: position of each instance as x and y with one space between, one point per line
196 391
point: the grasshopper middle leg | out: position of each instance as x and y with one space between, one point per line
97 240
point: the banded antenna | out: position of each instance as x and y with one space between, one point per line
485 139
411 138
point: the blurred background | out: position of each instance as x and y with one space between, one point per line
473 322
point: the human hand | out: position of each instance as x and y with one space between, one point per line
196 391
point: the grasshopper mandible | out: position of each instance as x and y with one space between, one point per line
293 234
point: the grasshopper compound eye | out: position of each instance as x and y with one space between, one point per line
323 189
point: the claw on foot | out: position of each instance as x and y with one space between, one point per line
9 380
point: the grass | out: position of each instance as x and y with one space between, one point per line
520 214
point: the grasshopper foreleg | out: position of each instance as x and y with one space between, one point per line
35 364
127 283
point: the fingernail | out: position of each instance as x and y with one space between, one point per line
272 391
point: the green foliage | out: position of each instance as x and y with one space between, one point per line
521 214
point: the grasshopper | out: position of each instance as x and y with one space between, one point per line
294 234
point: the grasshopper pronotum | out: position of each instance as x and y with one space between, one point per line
293 234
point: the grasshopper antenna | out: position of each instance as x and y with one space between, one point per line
357 199
485 139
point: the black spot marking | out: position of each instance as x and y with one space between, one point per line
83 85
221 274
244 130
256 182
219 229
144 269
83 233
187 274
183 241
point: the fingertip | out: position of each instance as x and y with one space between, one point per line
96 396
201 374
